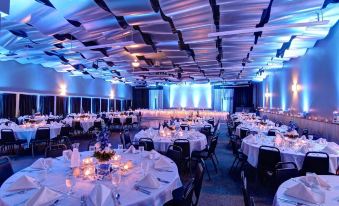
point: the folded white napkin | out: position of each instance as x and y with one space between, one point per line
23 183
100 195
155 154
331 148
301 191
162 163
149 181
131 149
321 141
314 181
304 149
303 137
42 163
67 154
43 197
251 139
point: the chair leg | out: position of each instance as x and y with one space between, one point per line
208 173
214 164
32 145
216 158
235 159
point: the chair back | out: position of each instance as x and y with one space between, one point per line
268 158
55 150
6 169
76 124
235 147
210 121
184 144
198 179
128 120
65 130
7 136
316 162
188 193
116 121
125 139
43 133
305 132
285 171
184 126
272 132
174 153
212 145
147 143
244 132
97 124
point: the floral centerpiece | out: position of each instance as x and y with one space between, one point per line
291 130
103 152
264 120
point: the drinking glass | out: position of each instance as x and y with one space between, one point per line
142 149
70 182
116 179
145 167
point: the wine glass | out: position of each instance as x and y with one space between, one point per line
142 149
70 182
145 167
116 179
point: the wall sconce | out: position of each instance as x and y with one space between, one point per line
136 63
63 90
295 87
112 94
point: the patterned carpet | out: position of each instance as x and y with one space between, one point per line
222 190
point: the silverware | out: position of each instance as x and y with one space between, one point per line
15 193
296 203
55 202
83 200
164 170
163 181
138 188
117 196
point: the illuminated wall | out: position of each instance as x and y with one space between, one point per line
190 96
316 75
30 78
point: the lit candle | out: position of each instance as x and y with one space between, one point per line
76 172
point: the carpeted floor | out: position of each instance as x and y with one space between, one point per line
222 190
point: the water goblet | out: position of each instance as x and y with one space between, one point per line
70 182
145 167
116 179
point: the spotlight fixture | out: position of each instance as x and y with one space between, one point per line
136 63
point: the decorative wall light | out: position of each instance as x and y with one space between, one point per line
63 89
267 94
295 87
112 94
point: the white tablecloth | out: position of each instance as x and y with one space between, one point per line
55 179
259 128
198 141
331 196
85 123
28 133
288 154
123 118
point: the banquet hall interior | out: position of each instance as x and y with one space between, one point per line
169 102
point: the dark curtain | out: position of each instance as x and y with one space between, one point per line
118 105
7 105
86 105
75 104
111 105
96 105
140 98
104 105
123 105
128 104
27 104
61 105
46 104
242 98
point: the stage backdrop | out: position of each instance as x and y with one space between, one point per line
190 96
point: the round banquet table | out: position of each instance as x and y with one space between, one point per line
294 154
55 180
331 196
193 125
198 141
85 123
259 129
28 133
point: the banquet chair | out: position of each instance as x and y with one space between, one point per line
244 189
268 158
207 154
315 162
6 169
42 136
91 143
182 196
305 133
116 122
210 121
97 125
64 136
184 126
128 122
278 124
198 179
272 132
147 143
239 157
175 153
206 130
125 139
285 171
244 132
77 128
184 144
55 150
8 140
216 129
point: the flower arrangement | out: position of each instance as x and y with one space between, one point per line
292 126
103 152
264 118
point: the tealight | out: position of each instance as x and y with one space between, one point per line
87 161
76 172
